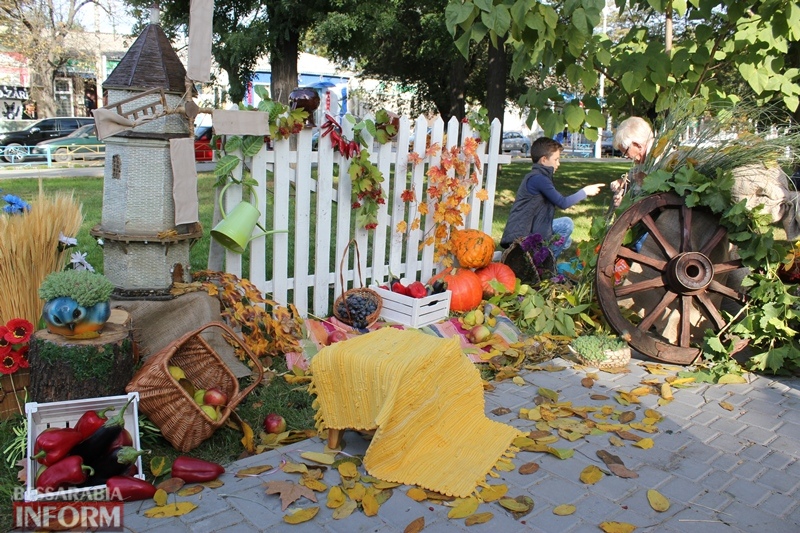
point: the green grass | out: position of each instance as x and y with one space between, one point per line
276 395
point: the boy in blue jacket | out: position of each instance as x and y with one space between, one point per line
537 198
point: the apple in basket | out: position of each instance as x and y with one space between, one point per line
274 423
215 396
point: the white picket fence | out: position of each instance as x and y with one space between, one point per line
318 249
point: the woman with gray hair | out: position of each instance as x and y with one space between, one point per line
634 138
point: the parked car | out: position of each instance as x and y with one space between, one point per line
607 145
16 144
202 143
80 144
516 141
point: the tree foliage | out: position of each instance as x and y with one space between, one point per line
751 38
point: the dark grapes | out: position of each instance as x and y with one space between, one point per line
356 308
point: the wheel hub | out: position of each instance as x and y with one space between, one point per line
689 272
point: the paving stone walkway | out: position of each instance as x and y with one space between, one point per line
722 470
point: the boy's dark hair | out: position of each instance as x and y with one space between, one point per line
544 147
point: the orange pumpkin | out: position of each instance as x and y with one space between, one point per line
499 272
472 248
465 286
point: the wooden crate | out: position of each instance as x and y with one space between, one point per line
14 393
414 312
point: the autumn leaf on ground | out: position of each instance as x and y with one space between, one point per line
290 467
345 510
464 508
160 497
627 416
369 505
564 510
657 501
289 492
313 484
171 485
615 441
157 465
615 465
416 494
644 444
253 470
599 397
549 394
666 391
500 411
336 497
617 527
317 457
301 515
416 525
727 406
587 382
215 484
190 491
493 492
591 475
519 506
627 435
171 510
528 468
478 518
348 470
731 379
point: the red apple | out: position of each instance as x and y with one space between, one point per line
215 396
274 423
336 336
478 334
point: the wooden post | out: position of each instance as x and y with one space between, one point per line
64 369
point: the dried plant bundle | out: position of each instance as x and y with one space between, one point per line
29 251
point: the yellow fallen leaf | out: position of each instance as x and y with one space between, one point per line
564 510
416 525
644 444
336 497
464 507
160 497
549 394
647 421
504 465
345 510
615 441
518 381
666 391
380 484
678 381
731 379
318 457
348 470
416 494
493 492
301 515
478 518
657 501
591 475
357 492
253 470
662 402
617 527
727 406
369 505
291 467
248 440
644 427
190 491
652 413
642 391
171 510
313 484
513 505
215 484
157 465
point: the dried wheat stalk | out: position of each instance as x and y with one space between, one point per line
29 252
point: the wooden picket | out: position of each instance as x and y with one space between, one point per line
316 233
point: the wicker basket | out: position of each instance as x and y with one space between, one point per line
614 358
523 265
170 406
367 294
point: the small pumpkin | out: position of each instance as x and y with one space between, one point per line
472 248
465 286
497 272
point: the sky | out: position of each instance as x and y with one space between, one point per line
123 22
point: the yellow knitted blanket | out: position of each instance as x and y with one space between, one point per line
424 397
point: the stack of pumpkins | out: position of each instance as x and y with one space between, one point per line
471 281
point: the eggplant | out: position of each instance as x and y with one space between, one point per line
112 464
95 446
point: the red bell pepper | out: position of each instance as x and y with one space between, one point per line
54 444
129 489
66 472
193 470
91 421
124 439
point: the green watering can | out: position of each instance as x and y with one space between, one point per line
235 230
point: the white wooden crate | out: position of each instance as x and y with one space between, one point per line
414 312
66 414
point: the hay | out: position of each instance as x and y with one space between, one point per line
29 251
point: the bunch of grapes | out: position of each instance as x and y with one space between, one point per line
356 308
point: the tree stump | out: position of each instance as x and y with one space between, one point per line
64 369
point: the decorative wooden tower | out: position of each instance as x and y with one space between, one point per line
144 248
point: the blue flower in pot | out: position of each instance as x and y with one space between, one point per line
77 303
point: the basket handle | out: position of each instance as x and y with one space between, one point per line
358 265
256 363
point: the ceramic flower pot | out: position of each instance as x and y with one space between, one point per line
307 99
64 316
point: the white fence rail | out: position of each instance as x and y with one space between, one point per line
316 214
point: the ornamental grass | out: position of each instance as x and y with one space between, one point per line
29 251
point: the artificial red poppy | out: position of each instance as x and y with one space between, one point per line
19 331
22 356
9 364
5 346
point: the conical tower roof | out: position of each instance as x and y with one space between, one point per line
150 62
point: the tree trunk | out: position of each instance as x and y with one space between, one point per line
283 63
63 369
496 80
458 82
42 91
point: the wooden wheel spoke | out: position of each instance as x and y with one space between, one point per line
684 335
715 239
656 234
627 253
686 216
727 266
633 288
719 288
710 310
652 316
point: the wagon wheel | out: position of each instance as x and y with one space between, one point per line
676 281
